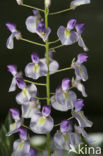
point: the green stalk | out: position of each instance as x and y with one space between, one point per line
48 76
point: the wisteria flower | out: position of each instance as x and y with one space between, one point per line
80 130
14 34
64 98
66 35
82 120
42 122
65 138
76 3
77 84
26 94
22 145
53 64
30 108
13 70
42 31
19 2
78 114
18 121
37 68
80 29
32 22
80 69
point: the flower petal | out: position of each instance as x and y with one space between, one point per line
14 127
82 120
76 3
40 124
13 85
69 39
10 42
29 109
82 44
53 66
21 146
31 24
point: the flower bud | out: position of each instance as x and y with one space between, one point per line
47 3
19 2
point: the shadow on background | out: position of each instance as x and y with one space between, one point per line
92 16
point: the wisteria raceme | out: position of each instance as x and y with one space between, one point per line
64 99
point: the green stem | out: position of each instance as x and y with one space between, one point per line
41 98
48 76
54 41
32 42
59 46
60 123
36 83
59 12
62 70
31 7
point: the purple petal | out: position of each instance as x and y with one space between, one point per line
65 84
44 34
36 12
11 27
66 126
22 133
15 113
35 58
41 26
80 28
71 24
79 105
46 111
20 83
12 69
32 152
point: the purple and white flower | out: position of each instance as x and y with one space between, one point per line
30 108
53 64
37 68
27 93
76 3
65 138
80 29
64 99
42 122
13 70
66 35
14 34
32 22
21 146
82 120
42 31
80 69
18 121
77 84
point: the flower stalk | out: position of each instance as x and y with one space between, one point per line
32 42
32 7
59 12
48 74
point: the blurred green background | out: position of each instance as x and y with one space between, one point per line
92 16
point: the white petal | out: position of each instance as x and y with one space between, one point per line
10 42
13 85
53 66
41 125
82 44
31 24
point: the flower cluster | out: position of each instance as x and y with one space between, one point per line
63 99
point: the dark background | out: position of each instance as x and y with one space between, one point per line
92 16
